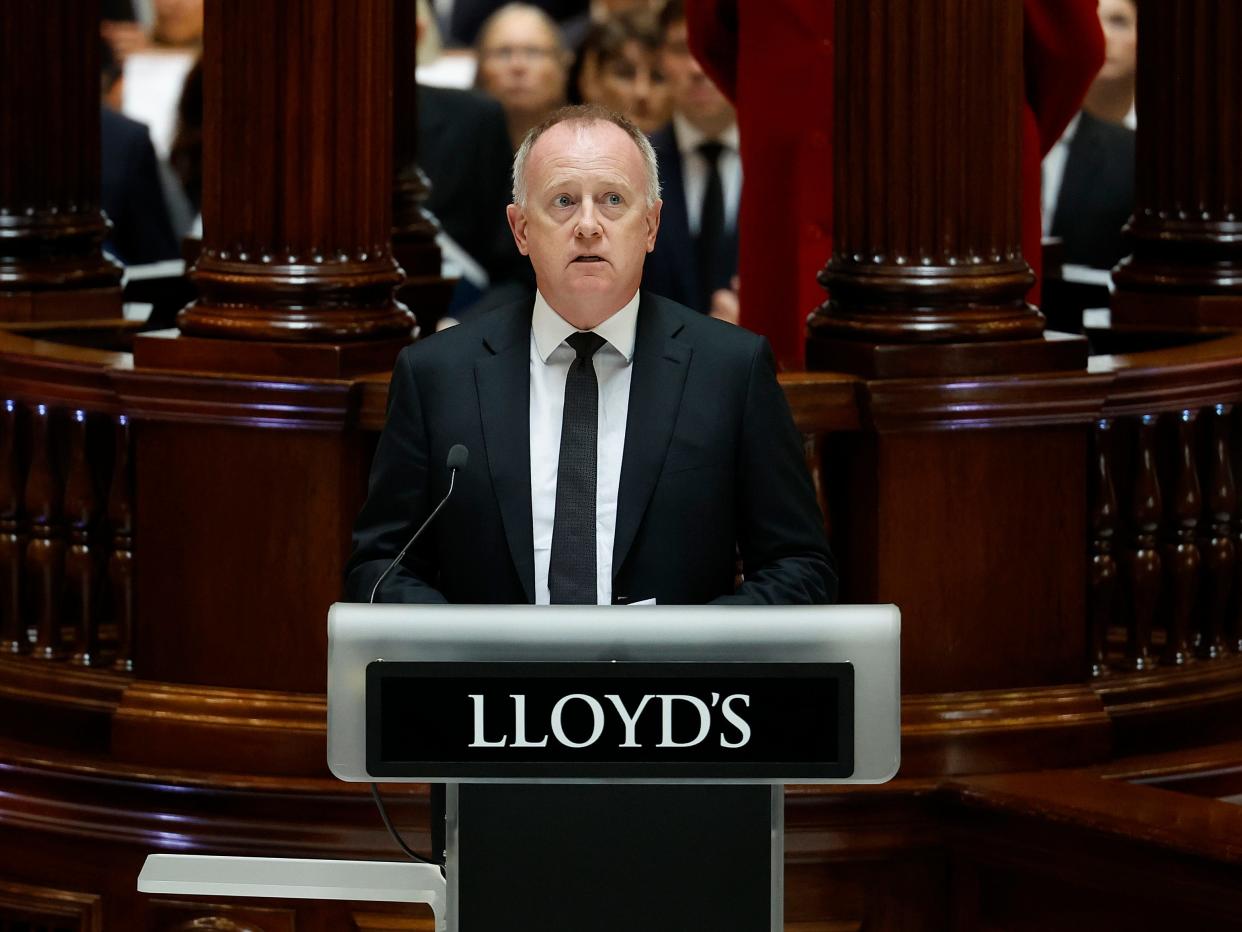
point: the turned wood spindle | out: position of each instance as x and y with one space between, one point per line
1181 555
13 535
45 553
121 559
1219 549
1145 569
81 573
1102 573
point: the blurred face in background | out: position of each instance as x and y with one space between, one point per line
1120 21
694 95
178 22
632 82
522 64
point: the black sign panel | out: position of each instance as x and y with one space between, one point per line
764 721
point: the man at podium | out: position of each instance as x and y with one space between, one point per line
622 448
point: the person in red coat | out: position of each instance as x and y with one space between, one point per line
780 78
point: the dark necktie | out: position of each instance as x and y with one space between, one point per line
571 567
708 246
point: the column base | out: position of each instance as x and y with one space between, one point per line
1050 352
63 305
171 349
1175 311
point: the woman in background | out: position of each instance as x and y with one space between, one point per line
618 67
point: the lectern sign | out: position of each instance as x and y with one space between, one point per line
642 720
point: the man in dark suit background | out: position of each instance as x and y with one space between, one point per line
463 147
623 448
701 170
1092 168
130 192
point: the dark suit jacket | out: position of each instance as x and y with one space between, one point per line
1097 193
463 147
671 270
712 467
130 193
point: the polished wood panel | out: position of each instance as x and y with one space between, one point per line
1186 230
269 510
52 229
992 590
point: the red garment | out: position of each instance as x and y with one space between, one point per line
780 78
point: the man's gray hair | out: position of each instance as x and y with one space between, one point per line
586 115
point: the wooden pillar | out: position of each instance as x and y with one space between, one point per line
927 275
425 292
52 266
297 194
1186 231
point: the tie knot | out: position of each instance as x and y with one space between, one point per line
585 344
711 151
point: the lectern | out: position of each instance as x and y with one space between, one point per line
607 767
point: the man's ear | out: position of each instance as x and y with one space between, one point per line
517 223
653 223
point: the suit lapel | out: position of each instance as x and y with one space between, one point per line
1083 166
660 367
675 219
502 378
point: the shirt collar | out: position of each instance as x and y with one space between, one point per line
551 329
689 138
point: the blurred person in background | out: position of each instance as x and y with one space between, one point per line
186 155
464 151
695 256
618 67
1111 97
464 20
787 137
178 24
524 64
1088 176
130 190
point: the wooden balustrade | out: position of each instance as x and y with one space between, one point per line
66 535
1179 598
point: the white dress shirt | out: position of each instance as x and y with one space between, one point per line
1053 173
550 358
694 171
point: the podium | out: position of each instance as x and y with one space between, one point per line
606 767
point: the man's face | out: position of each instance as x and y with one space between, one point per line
694 95
1120 21
522 65
586 225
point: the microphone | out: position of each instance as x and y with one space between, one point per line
458 456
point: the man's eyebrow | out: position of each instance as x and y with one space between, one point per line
562 181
